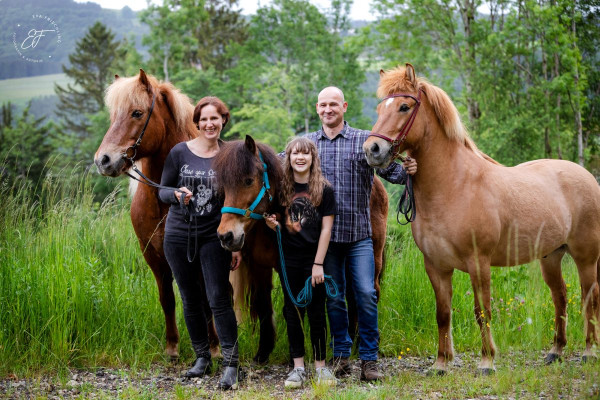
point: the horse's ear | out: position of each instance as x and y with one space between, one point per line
410 74
116 77
144 80
381 73
250 144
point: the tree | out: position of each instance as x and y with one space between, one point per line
25 145
92 65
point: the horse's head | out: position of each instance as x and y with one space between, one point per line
240 173
142 104
399 124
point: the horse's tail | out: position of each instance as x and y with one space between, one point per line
240 282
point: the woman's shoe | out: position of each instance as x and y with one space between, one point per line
230 378
201 367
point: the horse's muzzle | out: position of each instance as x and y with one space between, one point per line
230 242
377 153
109 165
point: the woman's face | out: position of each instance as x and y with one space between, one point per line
210 123
299 161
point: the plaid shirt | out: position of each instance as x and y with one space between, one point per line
344 165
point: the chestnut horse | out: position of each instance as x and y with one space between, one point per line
473 212
240 173
133 102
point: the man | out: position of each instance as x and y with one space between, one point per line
344 164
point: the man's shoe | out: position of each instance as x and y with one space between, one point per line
341 366
230 378
200 368
295 378
325 377
369 371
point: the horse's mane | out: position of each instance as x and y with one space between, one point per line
395 81
128 93
234 162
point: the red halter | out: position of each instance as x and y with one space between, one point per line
406 128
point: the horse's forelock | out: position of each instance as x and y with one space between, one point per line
234 162
126 93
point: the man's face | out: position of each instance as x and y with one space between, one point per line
331 108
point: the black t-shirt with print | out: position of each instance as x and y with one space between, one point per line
184 168
302 223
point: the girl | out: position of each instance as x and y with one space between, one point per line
309 210
194 251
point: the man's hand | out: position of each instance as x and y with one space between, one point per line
410 166
236 259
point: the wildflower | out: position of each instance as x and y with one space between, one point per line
402 352
529 321
407 349
519 328
468 293
399 357
488 324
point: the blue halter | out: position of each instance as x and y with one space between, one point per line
249 212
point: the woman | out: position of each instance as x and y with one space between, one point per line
309 211
191 245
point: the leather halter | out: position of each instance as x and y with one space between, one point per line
407 125
139 139
249 212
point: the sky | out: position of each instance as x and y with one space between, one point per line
360 8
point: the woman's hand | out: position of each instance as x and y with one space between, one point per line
188 195
271 221
317 275
236 259
410 166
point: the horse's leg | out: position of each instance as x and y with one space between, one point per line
552 273
164 282
441 280
479 272
262 305
590 298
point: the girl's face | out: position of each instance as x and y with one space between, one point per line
210 123
299 161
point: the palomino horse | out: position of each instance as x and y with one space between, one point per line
134 102
473 212
240 173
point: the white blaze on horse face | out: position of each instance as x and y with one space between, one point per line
389 101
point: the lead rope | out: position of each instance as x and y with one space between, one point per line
305 296
406 204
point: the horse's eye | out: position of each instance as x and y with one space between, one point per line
136 114
248 181
404 108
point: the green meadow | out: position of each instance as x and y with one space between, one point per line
77 294
20 90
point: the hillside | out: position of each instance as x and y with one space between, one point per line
23 53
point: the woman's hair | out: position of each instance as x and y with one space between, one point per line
316 180
213 101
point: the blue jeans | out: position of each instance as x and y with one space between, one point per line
361 262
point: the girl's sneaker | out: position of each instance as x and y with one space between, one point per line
325 377
295 378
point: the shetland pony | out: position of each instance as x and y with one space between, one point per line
473 212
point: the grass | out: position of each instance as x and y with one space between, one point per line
20 90
76 293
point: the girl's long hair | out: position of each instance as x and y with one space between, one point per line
316 180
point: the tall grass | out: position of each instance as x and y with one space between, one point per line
76 292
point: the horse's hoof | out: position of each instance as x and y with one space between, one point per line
552 358
261 359
486 371
587 358
436 372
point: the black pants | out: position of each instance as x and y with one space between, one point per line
294 316
213 262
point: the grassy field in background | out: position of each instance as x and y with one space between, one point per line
76 293
20 90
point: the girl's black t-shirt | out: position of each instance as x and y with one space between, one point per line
184 168
302 222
